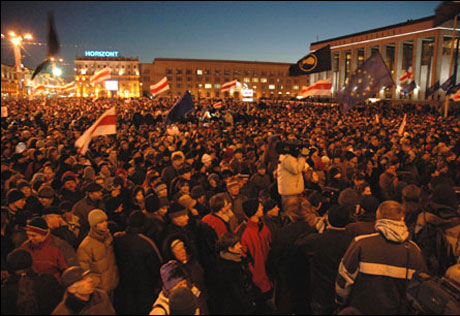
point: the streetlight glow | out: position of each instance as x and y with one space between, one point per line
57 71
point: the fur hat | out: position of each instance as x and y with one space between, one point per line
38 225
250 207
96 216
14 195
171 274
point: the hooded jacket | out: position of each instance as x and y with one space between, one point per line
290 176
374 271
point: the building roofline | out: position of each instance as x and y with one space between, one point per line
408 22
220 61
107 58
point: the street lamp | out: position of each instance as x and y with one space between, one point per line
16 40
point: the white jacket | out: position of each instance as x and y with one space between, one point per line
290 175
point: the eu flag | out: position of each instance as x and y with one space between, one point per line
432 89
182 107
365 82
317 61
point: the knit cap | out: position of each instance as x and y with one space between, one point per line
250 207
14 195
96 216
187 201
38 225
176 210
151 203
171 274
182 301
46 191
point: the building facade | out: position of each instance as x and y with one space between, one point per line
204 78
414 45
124 81
9 81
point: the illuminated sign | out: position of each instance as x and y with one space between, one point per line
111 85
248 95
95 53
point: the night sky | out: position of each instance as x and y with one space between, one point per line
250 31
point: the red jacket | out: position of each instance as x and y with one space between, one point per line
47 257
255 243
217 223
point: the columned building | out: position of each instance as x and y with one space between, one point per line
414 45
204 78
124 81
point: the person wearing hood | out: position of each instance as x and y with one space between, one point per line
374 272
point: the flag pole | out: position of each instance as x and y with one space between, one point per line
446 106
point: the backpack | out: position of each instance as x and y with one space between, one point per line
430 295
439 243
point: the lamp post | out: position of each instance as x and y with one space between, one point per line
16 40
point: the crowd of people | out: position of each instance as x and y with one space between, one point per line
273 207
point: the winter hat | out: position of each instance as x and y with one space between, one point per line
197 192
72 275
171 274
46 191
21 184
348 198
261 166
369 203
184 170
96 216
18 259
232 182
14 195
177 155
159 187
65 206
89 173
338 216
269 205
38 225
93 187
68 178
187 201
333 172
136 219
151 203
250 207
182 301
206 159
176 210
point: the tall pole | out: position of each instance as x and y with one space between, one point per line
446 106
17 61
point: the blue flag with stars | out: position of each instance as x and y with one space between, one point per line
365 82
182 107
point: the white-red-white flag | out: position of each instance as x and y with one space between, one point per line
217 105
159 87
39 89
455 96
405 77
69 87
403 125
105 125
101 75
228 85
321 87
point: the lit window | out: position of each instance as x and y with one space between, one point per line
199 72
207 86
263 79
271 87
255 79
295 87
217 86
247 79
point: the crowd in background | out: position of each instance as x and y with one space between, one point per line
272 207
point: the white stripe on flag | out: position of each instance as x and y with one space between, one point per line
403 125
228 85
101 75
217 105
321 87
160 86
105 125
